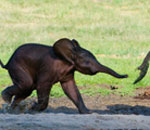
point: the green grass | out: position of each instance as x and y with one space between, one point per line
118 29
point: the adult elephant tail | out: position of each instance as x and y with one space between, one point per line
143 68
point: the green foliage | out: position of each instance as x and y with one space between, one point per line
116 31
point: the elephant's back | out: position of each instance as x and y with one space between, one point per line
29 53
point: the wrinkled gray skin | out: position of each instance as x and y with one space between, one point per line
143 68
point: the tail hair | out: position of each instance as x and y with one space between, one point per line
2 65
143 68
145 61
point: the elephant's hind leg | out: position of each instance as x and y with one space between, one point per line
22 83
20 97
7 93
43 91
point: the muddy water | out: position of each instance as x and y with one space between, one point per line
51 121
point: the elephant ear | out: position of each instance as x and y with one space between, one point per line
75 43
66 49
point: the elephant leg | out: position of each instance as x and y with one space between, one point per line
22 83
8 93
43 92
20 97
74 95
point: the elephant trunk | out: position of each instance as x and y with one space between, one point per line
105 69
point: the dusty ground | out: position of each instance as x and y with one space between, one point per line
109 112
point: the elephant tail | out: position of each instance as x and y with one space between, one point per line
145 61
2 65
142 73
143 68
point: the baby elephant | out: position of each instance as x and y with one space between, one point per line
38 67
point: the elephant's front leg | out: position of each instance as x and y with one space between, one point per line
43 91
73 93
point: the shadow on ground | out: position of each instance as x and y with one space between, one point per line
111 109
125 110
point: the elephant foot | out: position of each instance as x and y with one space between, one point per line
34 107
6 96
85 111
38 107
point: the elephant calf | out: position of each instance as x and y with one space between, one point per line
38 67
